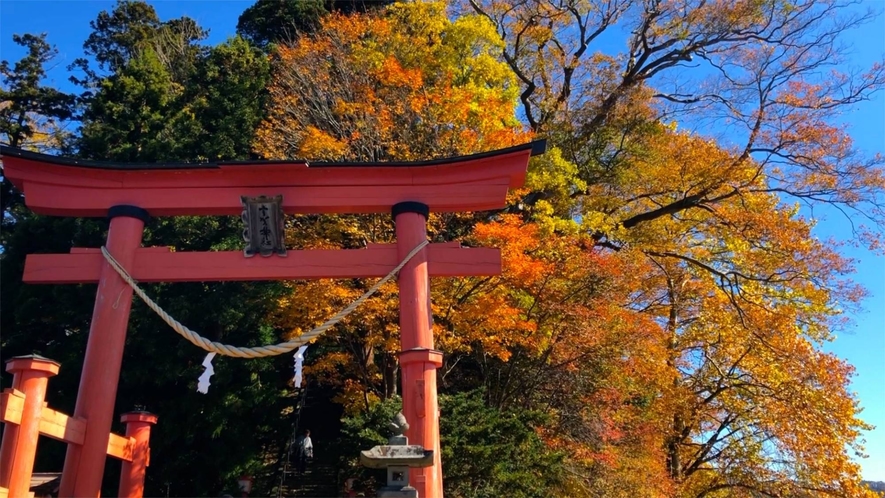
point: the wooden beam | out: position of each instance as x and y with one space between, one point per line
59 426
12 402
62 427
120 447
160 265
73 200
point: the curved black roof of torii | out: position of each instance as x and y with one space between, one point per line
537 147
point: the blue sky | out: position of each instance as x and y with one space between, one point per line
67 23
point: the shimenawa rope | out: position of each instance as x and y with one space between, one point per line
259 351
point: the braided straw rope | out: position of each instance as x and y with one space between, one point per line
259 351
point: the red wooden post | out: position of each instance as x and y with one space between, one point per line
84 465
418 359
138 426
30 376
10 434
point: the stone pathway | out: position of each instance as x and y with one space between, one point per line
320 480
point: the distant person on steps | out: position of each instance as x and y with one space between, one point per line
305 451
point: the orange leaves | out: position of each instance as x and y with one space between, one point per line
569 298
566 305
406 83
490 322
518 242
393 74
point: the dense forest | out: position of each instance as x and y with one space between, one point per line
659 324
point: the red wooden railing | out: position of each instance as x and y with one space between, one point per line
26 417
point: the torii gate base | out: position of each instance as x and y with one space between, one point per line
128 194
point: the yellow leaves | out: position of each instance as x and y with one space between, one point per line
762 369
555 294
490 321
554 175
320 145
598 222
735 276
682 163
476 44
355 398
652 271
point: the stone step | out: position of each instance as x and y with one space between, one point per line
311 492
320 480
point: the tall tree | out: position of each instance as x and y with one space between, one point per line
272 21
755 68
32 116
403 83
126 33
228 97
412 84
118 35
173 100
744 293
138 113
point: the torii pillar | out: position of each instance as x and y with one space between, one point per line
418 360
84 464
129 193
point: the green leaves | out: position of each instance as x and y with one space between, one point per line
228 96
117 35
272 21
486 452
135 115
165 98
489 452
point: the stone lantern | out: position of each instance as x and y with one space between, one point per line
398 456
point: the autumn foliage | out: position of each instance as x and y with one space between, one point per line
660 323
403 85
663 295
410 84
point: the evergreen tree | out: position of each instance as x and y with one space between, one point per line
279 21
228 100
32 116
271 21
160 96
487 452
136 114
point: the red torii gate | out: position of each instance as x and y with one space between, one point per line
129 193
